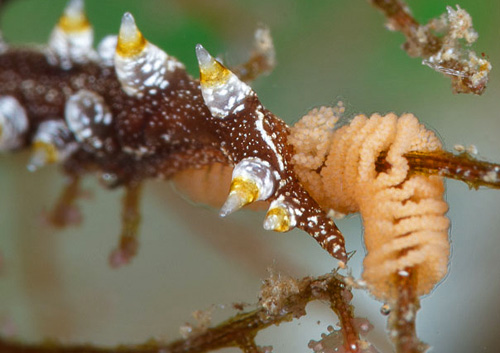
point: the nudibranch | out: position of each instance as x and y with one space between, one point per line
129 111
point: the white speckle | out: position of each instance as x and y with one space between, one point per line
146 70
166 137
472 149
13 122
491 176
313 219
106 50
84 111
267 139
221 98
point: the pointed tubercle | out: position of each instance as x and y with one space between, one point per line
72 38
74 19
242 192
130 40
222 90
212 72
141 66
279 218
252 180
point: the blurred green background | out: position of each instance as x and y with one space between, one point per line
57 283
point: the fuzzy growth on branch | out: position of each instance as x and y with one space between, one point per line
282 299
440 44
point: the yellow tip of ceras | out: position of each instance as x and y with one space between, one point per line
130 40
43 153
74 19
277 219
242 192
212 72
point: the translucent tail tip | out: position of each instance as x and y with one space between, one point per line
128 28
204 57
74 8
233 203
242 192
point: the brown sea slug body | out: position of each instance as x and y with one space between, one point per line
130 112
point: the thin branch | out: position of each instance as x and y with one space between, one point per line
131 219
238 331
345 312
400 18
262 60
401 324
463 167
65 212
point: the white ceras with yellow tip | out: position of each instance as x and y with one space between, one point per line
222 90
252 180
280 217
141 66
72 38
52 143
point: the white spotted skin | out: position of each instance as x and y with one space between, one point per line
52 132
254 132
159 121
260 172
85 112
106 50
148 70
290 210
57 134
66 49
13 123
222 99
223 94
268 139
